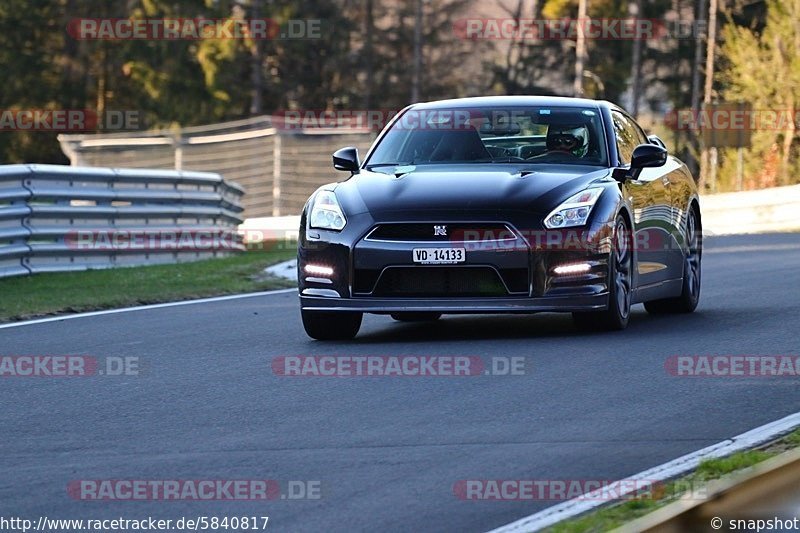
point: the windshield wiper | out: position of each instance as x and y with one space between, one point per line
373 165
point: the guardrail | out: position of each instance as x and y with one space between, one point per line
59 218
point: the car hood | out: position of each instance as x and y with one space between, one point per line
466 187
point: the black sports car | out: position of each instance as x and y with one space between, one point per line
502 204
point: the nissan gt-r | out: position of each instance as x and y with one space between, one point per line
506 204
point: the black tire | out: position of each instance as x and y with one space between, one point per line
620 285
331 326
416 317
692 274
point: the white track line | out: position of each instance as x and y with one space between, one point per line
143 308
672 469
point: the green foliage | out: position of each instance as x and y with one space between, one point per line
793 439
71 292
616 515
190 82
716 468
763 69
360 65
531 66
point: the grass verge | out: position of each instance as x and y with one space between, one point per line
616 515
39 295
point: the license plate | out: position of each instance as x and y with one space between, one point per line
439 256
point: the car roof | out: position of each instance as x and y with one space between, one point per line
500 101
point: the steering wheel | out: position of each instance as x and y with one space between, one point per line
556 155
500 152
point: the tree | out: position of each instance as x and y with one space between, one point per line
763 68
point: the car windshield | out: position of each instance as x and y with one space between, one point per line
563 135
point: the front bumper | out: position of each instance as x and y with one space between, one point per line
594 302
523 271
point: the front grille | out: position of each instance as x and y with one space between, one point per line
424 232
364 279
439 281
516 279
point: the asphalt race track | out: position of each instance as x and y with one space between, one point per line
387 451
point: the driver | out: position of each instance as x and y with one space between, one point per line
573 140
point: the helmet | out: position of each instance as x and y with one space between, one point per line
572 139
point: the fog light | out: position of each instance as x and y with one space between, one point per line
577 268
319 270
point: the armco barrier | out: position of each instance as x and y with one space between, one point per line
44 209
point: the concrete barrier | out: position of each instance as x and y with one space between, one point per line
762 211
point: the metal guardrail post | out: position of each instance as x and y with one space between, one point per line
276 175
177 144
13 213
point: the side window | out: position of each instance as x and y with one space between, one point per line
628 134
641 136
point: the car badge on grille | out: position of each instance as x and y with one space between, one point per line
440 231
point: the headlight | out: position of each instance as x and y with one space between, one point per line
326 212
574 211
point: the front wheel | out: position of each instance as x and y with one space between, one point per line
690 295
620 286
330 326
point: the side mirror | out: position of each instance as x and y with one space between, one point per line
648 155
346 159
644 156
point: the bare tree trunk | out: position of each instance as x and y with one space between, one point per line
513 61
257 63
700 16
709 85
711 45
702 12
791 126
417 74
580 49
102 82
369 30
636 63
70 74
788 139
